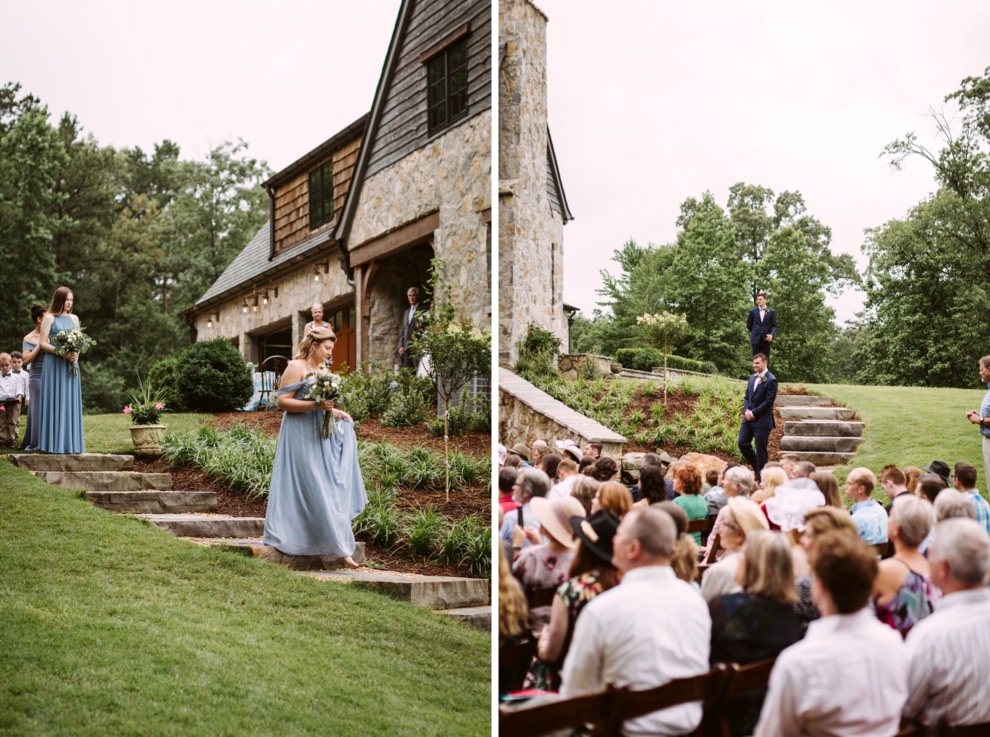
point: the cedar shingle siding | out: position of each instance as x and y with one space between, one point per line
403 126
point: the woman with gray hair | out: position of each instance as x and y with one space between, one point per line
903 593
952 503
738 482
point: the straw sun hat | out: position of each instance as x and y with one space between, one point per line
555 516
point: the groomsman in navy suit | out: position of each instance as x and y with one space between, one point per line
761 392
762 325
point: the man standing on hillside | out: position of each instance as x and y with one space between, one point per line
762 326
761 392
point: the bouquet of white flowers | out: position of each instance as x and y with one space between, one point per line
72 341
324 385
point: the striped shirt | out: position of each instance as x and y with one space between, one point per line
982 508
985 412
949 664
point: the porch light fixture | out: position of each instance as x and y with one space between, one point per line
212 317
316 270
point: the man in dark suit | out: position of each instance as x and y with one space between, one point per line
761 392
408 327
762 326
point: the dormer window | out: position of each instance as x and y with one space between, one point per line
447 81
321 195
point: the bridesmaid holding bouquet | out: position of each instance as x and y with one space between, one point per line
59 412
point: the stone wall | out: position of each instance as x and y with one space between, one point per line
571 364
525 414
388 301
297 291
531 234
452 175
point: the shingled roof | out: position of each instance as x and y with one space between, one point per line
252 265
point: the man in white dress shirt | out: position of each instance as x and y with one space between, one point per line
949 650
648 630
848 676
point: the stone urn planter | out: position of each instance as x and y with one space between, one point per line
147 439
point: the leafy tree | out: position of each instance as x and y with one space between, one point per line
663 329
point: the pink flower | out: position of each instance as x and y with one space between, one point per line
160 406
127 410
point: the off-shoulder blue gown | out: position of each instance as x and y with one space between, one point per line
316 488
60 423
30 441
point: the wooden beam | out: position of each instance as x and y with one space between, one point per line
405 236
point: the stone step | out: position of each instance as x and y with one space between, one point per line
106 480
435 592
207 525
824 459
254 547
828 428
479 617
79 462
154 502
817 413
802 400
821 443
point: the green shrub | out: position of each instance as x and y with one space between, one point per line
472 414
538 353
404 409
164 377
645 358
423 530
468 541
379 522
213 377
367 391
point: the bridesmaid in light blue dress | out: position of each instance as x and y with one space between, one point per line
34 358
60 424
317 487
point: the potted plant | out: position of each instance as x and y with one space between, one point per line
145 411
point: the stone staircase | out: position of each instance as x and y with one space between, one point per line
111 483
813 431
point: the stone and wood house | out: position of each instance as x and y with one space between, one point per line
358 219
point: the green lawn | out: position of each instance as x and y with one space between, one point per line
109 626
911 426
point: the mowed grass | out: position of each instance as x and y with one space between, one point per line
108 626
911 426
112 434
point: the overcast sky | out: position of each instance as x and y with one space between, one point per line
654 102
284 76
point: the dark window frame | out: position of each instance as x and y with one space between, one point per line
321 195
447 81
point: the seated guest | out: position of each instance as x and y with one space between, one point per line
537 450
548 464
758 622
965 481
530 483
513 615
911 476
567 475
684 559
903 593
584 490
894 483
652 490
867 514
848 675
715 496
647 631
769 483
590 574
687 486
829 488
737 481
785 510
544 566
742 518
613 497
949 652
930 484
506 481
603 469
950 503
801 470
816 522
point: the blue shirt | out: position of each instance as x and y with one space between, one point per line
871 521
985 412
982 508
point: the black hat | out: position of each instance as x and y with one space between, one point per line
940 469
597 532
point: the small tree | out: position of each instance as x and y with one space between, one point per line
455 350
663 329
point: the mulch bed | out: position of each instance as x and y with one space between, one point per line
463 502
